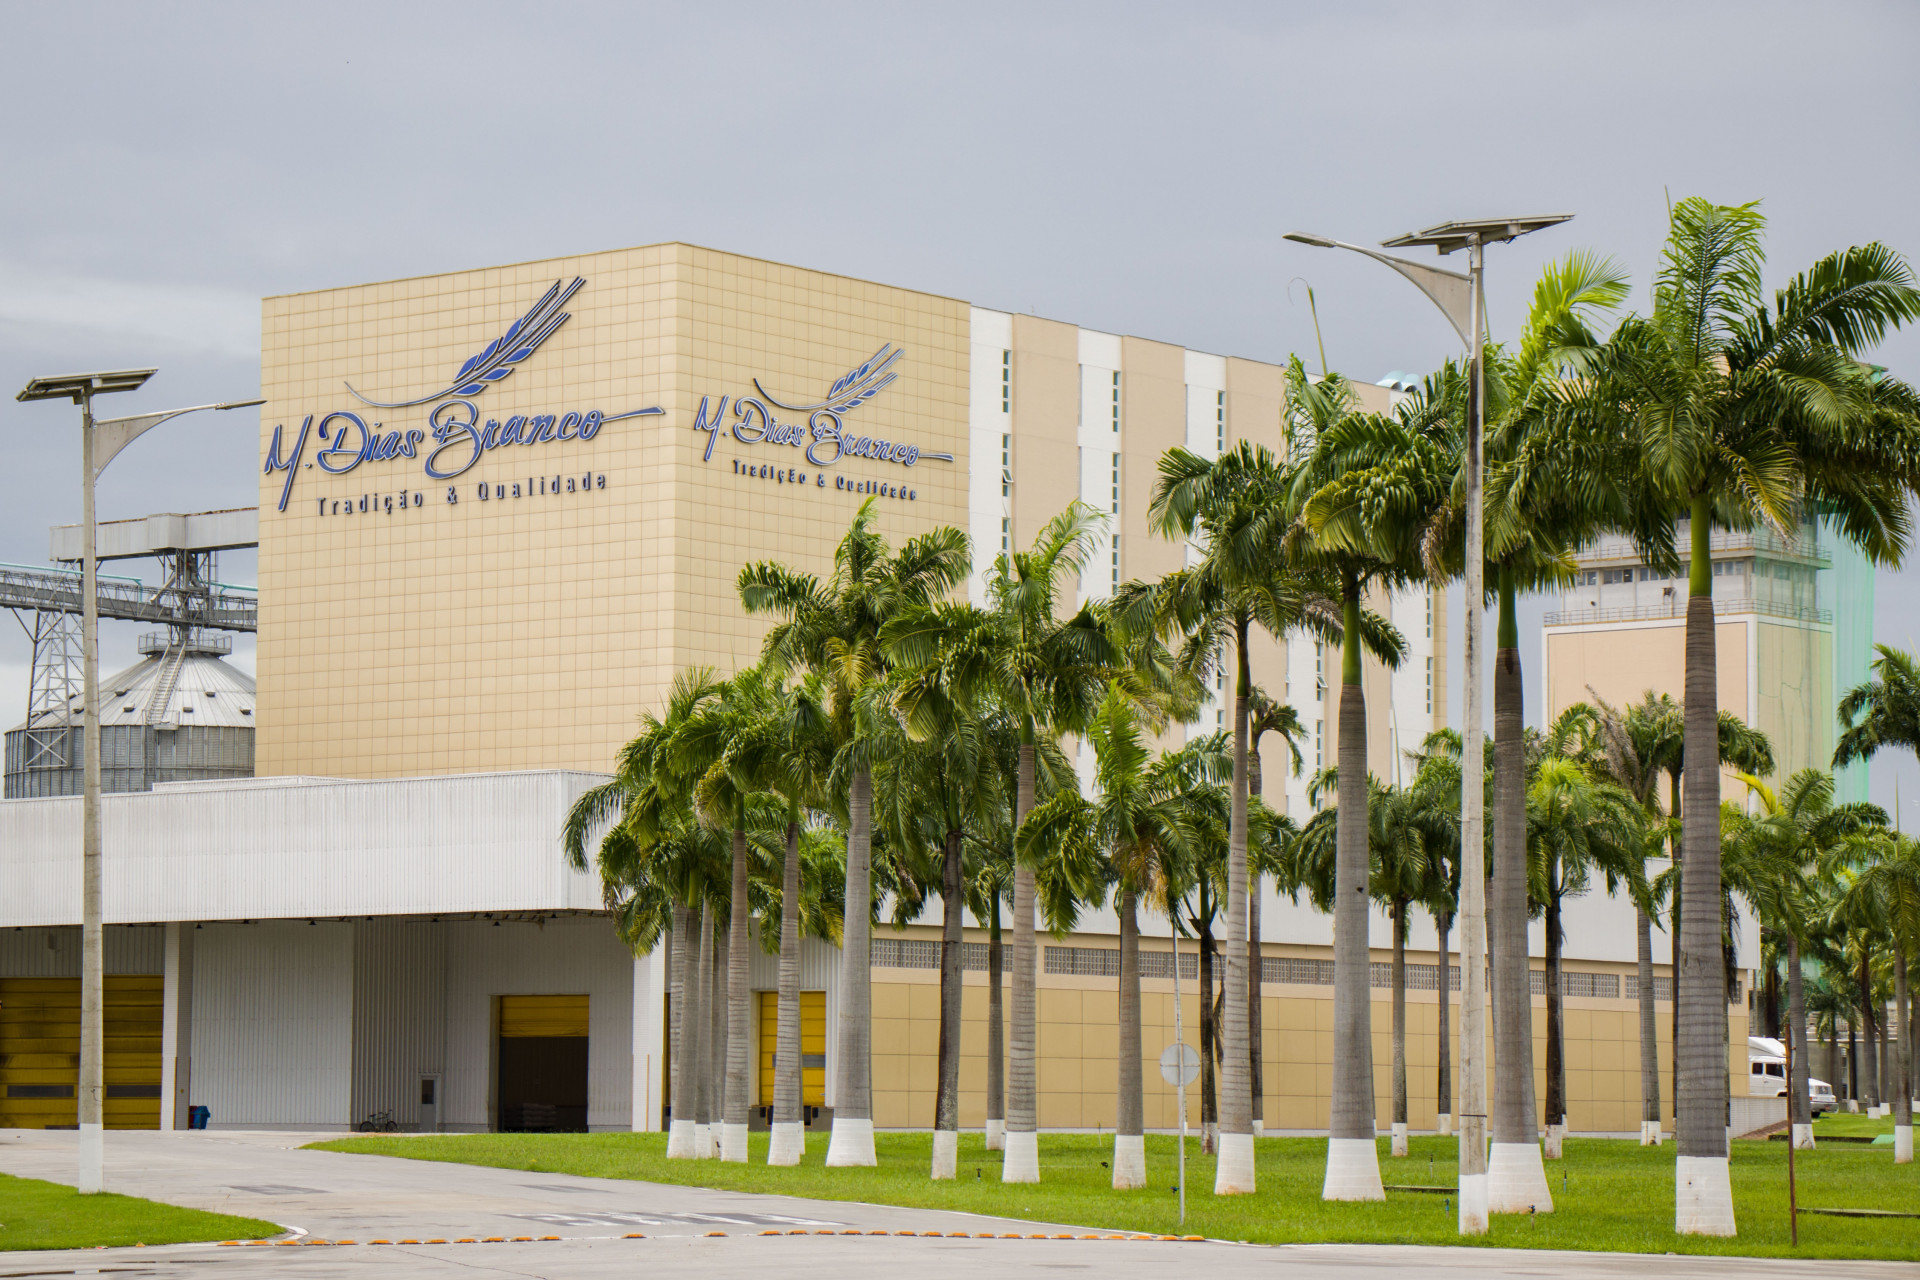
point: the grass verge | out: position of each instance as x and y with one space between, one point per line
1609 1195
1841 1124
47 1215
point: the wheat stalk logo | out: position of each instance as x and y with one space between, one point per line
853 388
522 338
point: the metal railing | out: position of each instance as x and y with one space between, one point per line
1677 610
128 599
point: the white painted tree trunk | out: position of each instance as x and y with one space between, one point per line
1233 1171
946 1154
1400 1137
996 1135
788 1143
1703 1196
1022 1161
851 1143
1353 1170
1517 1179
1129 1162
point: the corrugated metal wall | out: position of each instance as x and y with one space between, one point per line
256 850
485 960
55 952
273 1023
399 1014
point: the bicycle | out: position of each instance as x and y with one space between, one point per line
380 1122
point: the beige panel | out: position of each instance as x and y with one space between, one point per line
1046 416
1255 392
529 632
1153 419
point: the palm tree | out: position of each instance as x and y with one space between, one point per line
833 630
1436 786
1404 870
1264 716
652 850
1577 826
1798 836
1049 673
1887 888
787 750
944 778
1244 578
1364 493
1136 821
1740 414
1887 709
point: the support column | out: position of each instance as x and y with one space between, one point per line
176 1026
650 973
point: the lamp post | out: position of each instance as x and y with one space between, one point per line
100 443
1460 299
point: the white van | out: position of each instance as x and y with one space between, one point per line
1767 1063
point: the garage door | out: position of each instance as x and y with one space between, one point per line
40 1051
813 1046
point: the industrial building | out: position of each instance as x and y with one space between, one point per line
499 510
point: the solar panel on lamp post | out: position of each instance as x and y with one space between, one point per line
100 443
1460 299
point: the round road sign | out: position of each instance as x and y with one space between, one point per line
1180 1064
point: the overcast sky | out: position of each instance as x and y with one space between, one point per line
1124 167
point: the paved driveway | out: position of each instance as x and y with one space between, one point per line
322 1195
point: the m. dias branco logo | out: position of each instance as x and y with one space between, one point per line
452 435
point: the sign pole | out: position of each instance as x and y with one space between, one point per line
1180 1041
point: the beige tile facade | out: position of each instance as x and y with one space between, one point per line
530 630
1078 1027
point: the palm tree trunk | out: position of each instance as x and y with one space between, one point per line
996 1032
1674 922
1256 964
1353 1161
717 1004
1233 1171
1022 1160
1869 1025
733 1137
1556 1023
1649 1037
946 1106
788 1137
1903 1073
852 1139
1209 1043
1399 1027
1129 1142
1853 1066
1443 1083
685 1067
1799 1105
1516 1179
1703 1191
702 1057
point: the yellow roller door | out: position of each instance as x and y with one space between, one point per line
813 1046
40 1051
526 1017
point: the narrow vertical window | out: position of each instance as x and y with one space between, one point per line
1116 562
1006 382
1116 400
1006 536
1319 758
1429 620
1219 422
1429 686
1006 465
1116 484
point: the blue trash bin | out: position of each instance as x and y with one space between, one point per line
197 1117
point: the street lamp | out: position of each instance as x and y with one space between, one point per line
1461 299
100 443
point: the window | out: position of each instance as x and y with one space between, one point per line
1006 465
1116 484
1006 536
1006 382
1429 625
1429 686
1319 670
1319 757
1116 400
1116 562
1219 422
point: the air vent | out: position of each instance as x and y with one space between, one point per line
246 711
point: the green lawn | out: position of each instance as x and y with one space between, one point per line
1840 1124
47 1215
1611 1195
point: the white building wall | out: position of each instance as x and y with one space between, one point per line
273 1024
555 957
399 1014
987 422
275 848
